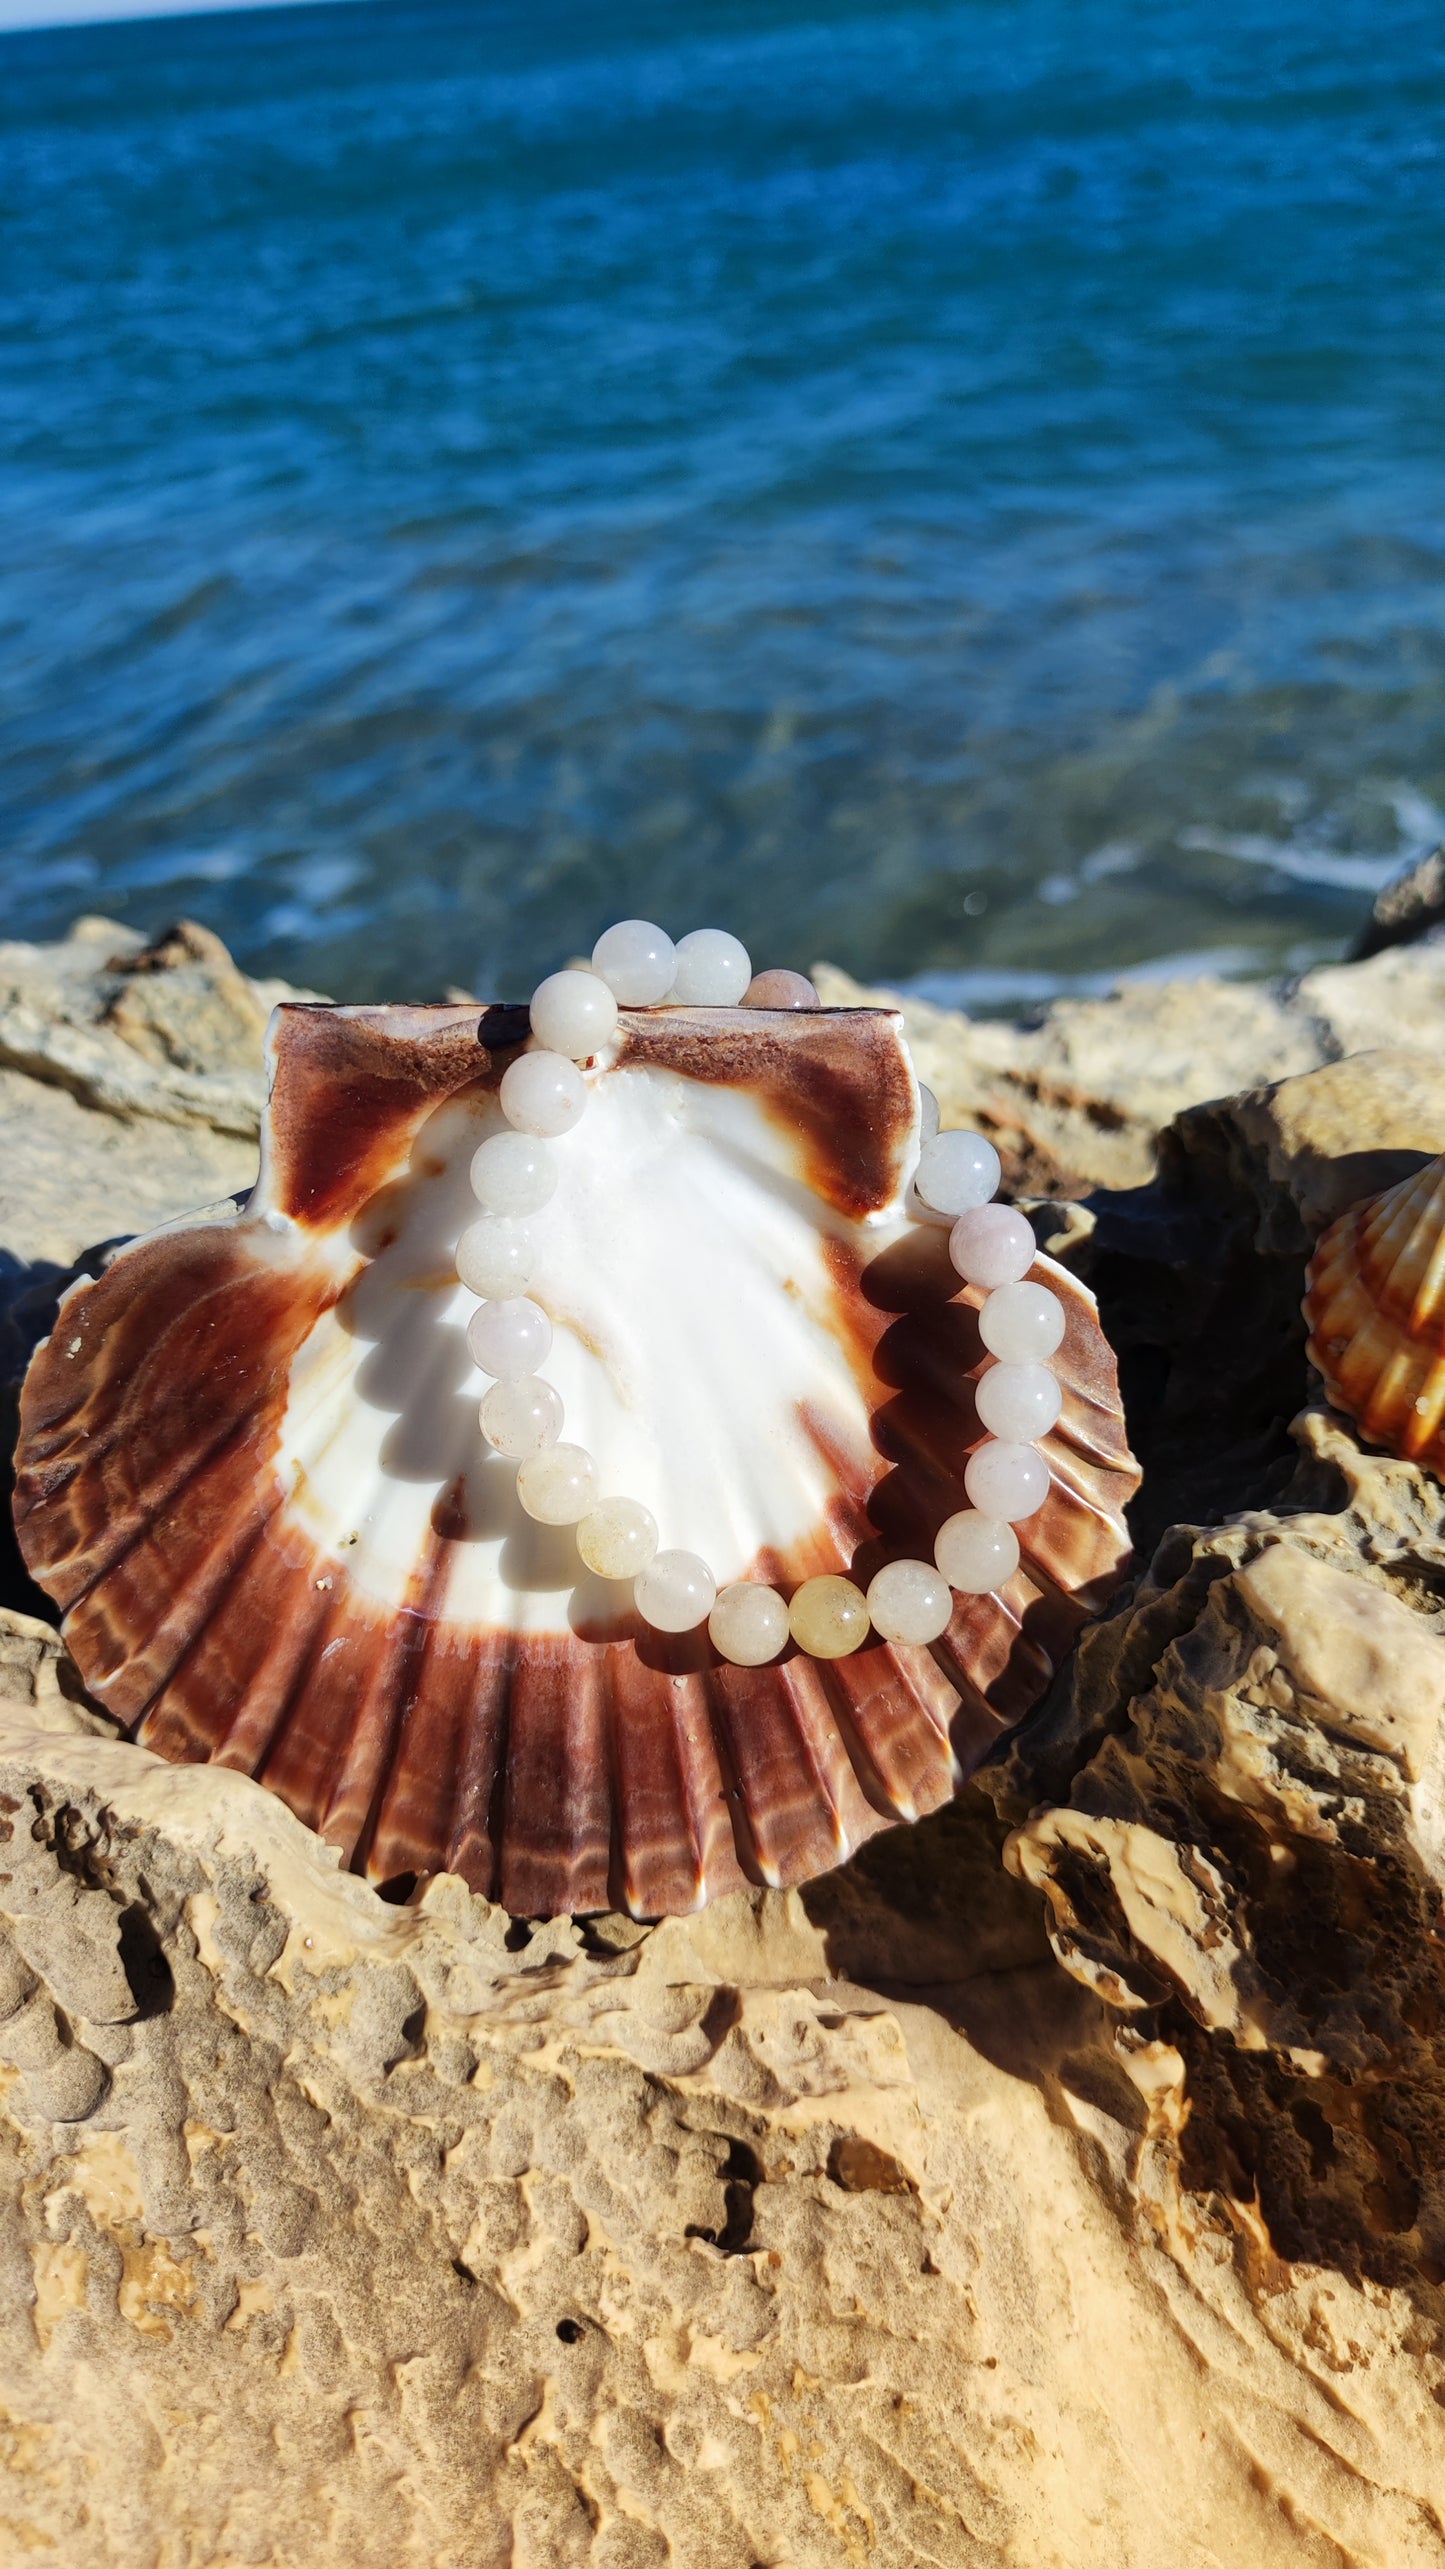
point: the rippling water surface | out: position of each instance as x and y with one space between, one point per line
953 488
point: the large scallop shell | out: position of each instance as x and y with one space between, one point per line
251 1473
1375 1304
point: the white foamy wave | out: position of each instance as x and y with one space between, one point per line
973 991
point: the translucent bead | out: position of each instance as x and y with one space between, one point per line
956 1171
992 1245
1006 1480
976 1553
927 1112
542 1093
908 1601
618 1538
749 1624
713 970
519 1418
509 1339
495 1257
637 961
779 990
1021 1402
1022 1323
828 1617
675 1591
572 1013
513 1173
559 1485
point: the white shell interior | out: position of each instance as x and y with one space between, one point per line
682 1264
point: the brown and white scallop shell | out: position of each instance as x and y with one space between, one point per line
250 1469
1375 1304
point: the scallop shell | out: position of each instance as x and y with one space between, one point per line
250 1469
1375 1304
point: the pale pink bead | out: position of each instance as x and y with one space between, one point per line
779 989
1019 1402
993 1245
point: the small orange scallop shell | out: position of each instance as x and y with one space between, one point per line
1375 1304
250 1469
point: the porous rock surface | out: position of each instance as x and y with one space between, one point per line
1076 1094
1245 1854
866 2224
333 2232
131 1084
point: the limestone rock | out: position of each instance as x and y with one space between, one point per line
131 1084
1077 1095
1248 1864
833 2226
1410 907
378 2236
1200 1274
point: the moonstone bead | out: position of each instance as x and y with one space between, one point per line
1022 1323
1021 1402
509 1339
956 1171
513 1173
992 1246
559 1485
749 1624
927 1112
1007 1480
778 989
542 1093
828 1617
519 1418
637 961
572 1013
712 971
675 1591
618 1538
907 1601
495 1257
976 1553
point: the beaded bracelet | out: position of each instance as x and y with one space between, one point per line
542 1095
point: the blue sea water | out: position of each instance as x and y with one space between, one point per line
956 488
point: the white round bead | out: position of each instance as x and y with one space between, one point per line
712 971
519 1418
1022 1323
992 1246
542 1093
495 1257
927 1112
513 1173
749 1624
1021 1402
618 1538
559 1485
675 1591
637 961
1007 1480
573 1013
956 1171
976 1553
908 1601
509 1339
